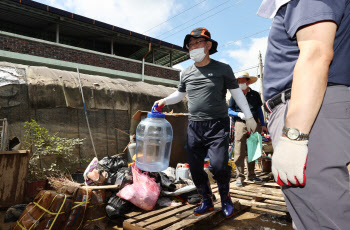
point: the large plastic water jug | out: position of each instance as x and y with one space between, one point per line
154 137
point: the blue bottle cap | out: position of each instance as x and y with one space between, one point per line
154 113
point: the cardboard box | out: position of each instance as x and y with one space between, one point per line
179 123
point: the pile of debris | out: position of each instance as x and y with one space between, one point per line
111 189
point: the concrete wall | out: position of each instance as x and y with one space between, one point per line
53 99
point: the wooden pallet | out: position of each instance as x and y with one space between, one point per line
257 198
172 218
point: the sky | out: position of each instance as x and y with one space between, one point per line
241 34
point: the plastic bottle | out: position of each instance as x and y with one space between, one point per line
182 171
131 148
154 137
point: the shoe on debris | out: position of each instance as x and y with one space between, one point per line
239 183
255 180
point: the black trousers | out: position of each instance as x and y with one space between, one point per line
209 137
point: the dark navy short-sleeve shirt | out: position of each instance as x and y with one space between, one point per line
283 51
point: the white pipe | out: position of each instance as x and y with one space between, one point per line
143 61
143 69
57 33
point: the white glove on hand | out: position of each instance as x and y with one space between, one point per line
241 115
289 162
160 103
251 125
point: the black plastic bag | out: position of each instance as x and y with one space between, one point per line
165 183
122 177
117 207
14 212
111 165
193 197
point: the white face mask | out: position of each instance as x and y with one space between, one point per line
197 55
243 86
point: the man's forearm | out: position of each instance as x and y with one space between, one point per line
308 89
310 74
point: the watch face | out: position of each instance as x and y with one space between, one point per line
293 134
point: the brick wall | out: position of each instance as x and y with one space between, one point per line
23 46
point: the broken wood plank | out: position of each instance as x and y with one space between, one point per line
129 226
267 211
241 196
275 202
263 205
259 189
247 193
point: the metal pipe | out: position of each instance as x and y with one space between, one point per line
261 84
86 115
143 61
143 69
57 33
112 46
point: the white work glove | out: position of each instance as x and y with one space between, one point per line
251 125
289 162
160 102
241 115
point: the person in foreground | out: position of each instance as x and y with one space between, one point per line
206 83
241 133
306 81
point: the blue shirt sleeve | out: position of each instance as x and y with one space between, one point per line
299 13
261 116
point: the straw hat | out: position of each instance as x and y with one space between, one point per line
246 75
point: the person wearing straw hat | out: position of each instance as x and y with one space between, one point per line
206 83
242 133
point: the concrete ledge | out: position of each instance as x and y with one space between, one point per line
83 50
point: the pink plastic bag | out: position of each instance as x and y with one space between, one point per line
144 191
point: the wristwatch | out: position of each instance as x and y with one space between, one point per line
295 134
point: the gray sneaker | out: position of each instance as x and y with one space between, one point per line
239 183
255 180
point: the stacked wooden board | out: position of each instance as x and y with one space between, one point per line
264 198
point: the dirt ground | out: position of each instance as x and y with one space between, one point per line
245 221
254 221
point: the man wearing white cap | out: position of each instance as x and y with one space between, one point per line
306 79
241 132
